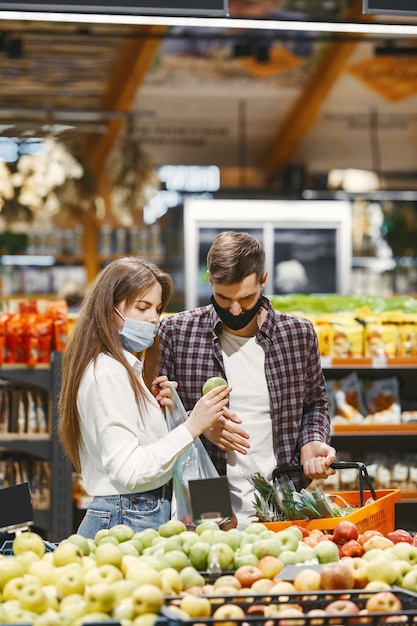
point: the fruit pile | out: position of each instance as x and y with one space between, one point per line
131 578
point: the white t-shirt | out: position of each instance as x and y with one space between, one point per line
125 450
244 362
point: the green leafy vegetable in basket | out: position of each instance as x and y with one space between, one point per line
282 502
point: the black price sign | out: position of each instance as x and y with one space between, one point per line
207 8
390 7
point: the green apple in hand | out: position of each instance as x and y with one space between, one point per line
211 383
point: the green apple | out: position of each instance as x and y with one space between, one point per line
264 547
147 619
409 581
172 527
191 577
146 536
9 568
208 535
211 383
91 545
33 598
405 551
402 568
107 553
288 557
109 539
141 574
123 589
176 559
28 540
147 599
27 558
254 527
305 553
172 581
124 610
195 606
12 613
128 547
199 553
225 555
374 553
382 570
13 588
52 596
44 571
100 598
73 607
289 540
244 559
80 541
233 538
103 532
122 532
106 573
207 524
51 617
326 551
69 582
66 553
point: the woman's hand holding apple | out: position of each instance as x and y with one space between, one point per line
208 410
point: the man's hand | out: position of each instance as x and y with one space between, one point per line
227 435
316 458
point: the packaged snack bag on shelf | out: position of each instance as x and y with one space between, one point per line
382 399
381 340
349 406
408 339
399 473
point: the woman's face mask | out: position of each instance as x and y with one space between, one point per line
137 335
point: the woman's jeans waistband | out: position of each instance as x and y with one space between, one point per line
149 509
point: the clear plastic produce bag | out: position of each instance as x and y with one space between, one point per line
194 464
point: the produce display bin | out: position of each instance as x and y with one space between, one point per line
377 515
306 601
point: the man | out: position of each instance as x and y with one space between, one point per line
278 411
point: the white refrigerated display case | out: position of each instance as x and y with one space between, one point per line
308 244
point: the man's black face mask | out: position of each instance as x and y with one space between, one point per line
236 322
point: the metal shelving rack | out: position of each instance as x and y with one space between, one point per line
57 522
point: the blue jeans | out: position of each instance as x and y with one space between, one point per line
138 510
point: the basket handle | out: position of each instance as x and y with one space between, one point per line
362 475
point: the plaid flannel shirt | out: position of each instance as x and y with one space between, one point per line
191 353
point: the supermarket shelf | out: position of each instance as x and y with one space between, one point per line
373 430
38 447
368 362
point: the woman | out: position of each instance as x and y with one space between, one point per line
111 405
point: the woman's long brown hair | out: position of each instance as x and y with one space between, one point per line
94 332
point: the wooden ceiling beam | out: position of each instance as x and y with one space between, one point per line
306 108
133 64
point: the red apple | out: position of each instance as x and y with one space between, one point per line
345 531
360 571
337 575
383 602
270 566
247 574
309 541
230 614
399 535
377 541
341 607
307 579
367 534
351 548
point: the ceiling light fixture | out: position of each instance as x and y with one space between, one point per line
368 28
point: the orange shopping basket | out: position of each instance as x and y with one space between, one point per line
375 509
